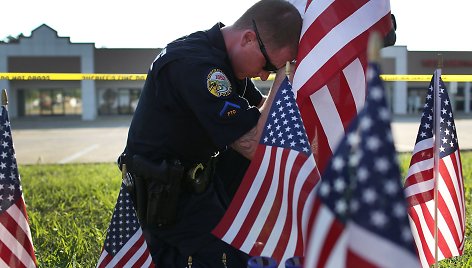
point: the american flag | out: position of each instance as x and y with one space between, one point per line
269 213
360 212
419 184
125 245
16 245
329 81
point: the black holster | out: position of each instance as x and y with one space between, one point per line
156 190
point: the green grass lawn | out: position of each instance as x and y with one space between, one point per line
70 206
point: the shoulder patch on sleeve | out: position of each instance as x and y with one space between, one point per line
229 109
218 84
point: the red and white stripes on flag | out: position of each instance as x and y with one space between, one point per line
335 245
125 245
269 214
137 257
16 245
451 215
266 222
329 81
360 217
420 183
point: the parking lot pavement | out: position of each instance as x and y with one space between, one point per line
71 140
405 129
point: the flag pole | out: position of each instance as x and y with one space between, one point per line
223 260
4 97
436 127
123 171
373 47
287 68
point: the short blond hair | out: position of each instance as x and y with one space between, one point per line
279 23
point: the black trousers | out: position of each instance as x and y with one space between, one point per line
191 236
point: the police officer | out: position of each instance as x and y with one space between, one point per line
198 100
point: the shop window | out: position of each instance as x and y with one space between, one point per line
416 99
121 101
49 101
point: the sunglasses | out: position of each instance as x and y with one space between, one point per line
268 66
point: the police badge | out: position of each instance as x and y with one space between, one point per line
218 84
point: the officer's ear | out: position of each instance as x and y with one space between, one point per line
248 38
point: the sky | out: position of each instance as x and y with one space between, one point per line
430 25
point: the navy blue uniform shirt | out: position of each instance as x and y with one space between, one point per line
191 105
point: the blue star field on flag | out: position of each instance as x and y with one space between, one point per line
284 127
448 135
123 225
10 187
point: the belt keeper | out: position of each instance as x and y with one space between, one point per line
193 171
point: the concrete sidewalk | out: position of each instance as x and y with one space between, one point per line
71 140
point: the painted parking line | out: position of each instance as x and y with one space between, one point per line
403 148
79 154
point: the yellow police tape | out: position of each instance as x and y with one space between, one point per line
70 76
420 77
141 77
426 78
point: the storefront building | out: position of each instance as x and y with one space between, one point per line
408 97
45 52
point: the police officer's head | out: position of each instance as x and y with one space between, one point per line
269 35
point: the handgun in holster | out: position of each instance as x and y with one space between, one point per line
156 190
